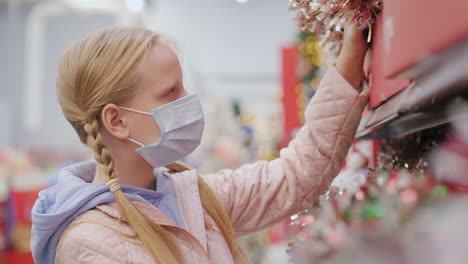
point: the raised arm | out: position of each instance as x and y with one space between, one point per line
259 194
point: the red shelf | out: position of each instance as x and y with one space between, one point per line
14 257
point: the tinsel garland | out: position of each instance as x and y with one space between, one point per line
326 17
410 151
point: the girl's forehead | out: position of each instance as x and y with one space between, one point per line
159 66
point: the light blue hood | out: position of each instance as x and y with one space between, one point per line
73 195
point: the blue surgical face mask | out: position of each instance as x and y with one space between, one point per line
181 123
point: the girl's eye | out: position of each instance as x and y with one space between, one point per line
172 92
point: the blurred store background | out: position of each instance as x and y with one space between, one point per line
231 52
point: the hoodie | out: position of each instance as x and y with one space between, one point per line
74 194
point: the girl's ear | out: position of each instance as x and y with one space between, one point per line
113 121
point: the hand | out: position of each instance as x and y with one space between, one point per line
350 62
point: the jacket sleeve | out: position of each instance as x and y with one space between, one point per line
260 194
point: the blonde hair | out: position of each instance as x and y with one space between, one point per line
99 70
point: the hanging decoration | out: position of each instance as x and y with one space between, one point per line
326 18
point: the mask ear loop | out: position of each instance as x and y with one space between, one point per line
136 111
140 112
136 142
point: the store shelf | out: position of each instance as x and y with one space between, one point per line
424 103
12 256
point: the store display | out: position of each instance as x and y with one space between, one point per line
290 80
22 175
310 65
4 191
382 87
418 31
402 198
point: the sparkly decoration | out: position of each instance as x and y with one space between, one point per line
308 69
374 223
326 18
310 50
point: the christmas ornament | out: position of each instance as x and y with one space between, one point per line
326 18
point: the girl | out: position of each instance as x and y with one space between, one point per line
121 89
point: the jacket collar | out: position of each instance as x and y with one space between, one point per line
188 198
112 209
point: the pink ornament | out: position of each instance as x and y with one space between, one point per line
326 17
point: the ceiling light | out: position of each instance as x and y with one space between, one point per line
135 5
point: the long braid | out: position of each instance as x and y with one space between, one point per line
101 153
94 139
171 252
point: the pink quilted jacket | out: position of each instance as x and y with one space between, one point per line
255 196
